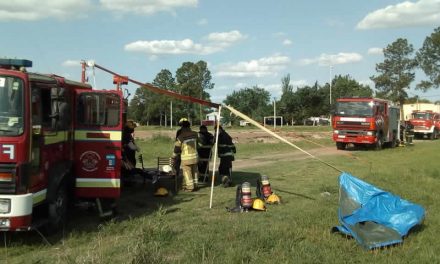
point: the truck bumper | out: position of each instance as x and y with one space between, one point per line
16 212
356 139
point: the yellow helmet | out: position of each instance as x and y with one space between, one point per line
273 199
161 192
183 119
258 204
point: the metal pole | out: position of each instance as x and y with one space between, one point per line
215 154
331 84
274 113
171 114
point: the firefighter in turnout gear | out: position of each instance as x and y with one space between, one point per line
186 147
226 151
204 147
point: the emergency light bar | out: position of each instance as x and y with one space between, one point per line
15 63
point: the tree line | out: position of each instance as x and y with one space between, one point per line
393 79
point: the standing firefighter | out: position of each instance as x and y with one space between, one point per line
226 151
204 147
186 147
129 149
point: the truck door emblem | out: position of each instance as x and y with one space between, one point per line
90 160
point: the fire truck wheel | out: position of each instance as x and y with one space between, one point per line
340 145
57 210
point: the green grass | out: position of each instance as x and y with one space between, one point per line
182 228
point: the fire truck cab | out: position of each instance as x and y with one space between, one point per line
426 123
59 139
365 121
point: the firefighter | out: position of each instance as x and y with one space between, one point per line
204 146
129 148
226 151
185 147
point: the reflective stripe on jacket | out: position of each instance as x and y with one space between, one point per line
186 146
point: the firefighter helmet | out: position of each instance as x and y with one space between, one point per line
258 204
167 168
273 199
161 191
182 120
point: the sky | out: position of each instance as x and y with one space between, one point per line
245 42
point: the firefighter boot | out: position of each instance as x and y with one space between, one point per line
226 181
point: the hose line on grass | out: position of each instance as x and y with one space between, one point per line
255 123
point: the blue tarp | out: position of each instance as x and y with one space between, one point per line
375 218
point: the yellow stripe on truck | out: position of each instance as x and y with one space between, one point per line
56 137
97 183
97 135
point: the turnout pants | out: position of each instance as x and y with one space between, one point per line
225 167
190 177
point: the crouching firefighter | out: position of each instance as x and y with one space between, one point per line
186 147
226 151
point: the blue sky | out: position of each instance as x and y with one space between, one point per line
245 43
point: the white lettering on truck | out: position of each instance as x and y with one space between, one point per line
8 150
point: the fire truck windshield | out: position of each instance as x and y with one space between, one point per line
421 115
354 109
11 106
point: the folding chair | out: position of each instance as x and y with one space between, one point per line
166 170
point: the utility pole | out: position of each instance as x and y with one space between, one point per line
331 84
274 113
171 114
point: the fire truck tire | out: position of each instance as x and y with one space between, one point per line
57 209
340 145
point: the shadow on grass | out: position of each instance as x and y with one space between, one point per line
136 200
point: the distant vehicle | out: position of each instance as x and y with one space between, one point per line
365 121
317 121
426 123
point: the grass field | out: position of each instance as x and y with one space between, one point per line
182 228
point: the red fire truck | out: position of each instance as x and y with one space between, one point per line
58 139
365 121
425 123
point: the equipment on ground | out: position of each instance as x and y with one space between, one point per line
263 187
365 121
273 199
246 196
258 205
161 191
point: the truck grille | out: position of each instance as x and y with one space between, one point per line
5 186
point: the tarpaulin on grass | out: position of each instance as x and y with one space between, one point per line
375 218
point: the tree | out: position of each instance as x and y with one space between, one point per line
253 102
428 58
194 79
286 102
164 79
396 72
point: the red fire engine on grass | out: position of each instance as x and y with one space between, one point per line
425 123
58 139
365 121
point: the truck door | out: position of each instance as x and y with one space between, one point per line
97 151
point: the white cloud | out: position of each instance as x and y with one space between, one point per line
32 10
405 14
146 7
217 41
375 51
265 66
71 63
333 59
287 42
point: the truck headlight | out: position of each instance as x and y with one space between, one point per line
336 131
370 133
5 206
5 222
